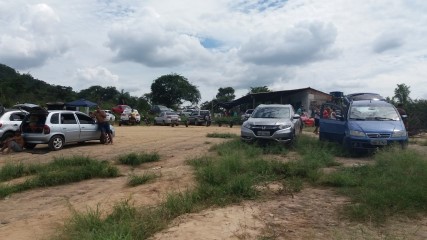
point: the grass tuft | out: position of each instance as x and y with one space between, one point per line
59 171
135 180
221 135
136 159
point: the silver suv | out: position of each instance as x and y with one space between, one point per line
272 122
10 121
58 128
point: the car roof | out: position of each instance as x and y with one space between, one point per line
370 102
274 105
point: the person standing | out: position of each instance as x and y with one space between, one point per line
403 114
103 125
316 121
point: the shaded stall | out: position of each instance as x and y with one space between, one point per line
81 103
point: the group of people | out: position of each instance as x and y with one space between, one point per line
15 143
103 125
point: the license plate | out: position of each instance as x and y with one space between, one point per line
380 142
263 133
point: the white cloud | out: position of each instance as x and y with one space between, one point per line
96 76
328 45
304 43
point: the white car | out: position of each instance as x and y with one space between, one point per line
110 116
130 117
167 118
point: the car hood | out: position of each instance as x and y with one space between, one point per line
268 121
376 126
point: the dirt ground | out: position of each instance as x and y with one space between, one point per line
309 214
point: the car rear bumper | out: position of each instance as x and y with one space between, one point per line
283 136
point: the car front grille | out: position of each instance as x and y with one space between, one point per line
264 128
378 135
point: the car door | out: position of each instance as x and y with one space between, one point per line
88 128
332 122
70 127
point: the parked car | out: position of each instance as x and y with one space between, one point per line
362 124
246 115
276 122
110 116
10 121
199 117
156 109
131 117
167 118
119 109
58 128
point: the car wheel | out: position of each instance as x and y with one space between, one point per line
7 135
56 143
30 146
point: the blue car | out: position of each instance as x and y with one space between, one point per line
362 124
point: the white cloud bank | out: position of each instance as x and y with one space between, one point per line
351 46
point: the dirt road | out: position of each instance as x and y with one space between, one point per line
310 214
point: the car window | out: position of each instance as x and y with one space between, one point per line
369 112
68 118
272 112
54 119
171 113
83 119
194 113
17 117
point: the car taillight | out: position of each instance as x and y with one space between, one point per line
46 129
1 124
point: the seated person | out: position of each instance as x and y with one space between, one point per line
15 143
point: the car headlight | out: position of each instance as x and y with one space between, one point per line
285 126
399 134
247 125
357 133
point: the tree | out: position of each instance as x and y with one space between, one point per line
401 93
259 90
225 94
172 90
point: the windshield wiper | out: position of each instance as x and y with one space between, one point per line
383 119
358 119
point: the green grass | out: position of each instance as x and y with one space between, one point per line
136 159
58 172
230 176
395 184
135 180
221 135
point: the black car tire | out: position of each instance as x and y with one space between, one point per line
56 143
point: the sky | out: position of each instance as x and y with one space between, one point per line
329 45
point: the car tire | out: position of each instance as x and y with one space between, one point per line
7 135
56 143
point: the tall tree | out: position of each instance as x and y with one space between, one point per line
258 90
172 90
225 94
401 93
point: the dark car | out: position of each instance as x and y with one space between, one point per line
199 117
156 109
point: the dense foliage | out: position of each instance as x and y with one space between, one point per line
172 89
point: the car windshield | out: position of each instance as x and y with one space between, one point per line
204 112
171 113
375 113
272 112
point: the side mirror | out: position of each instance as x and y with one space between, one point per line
404 116
296 116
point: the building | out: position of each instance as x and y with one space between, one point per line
307 97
